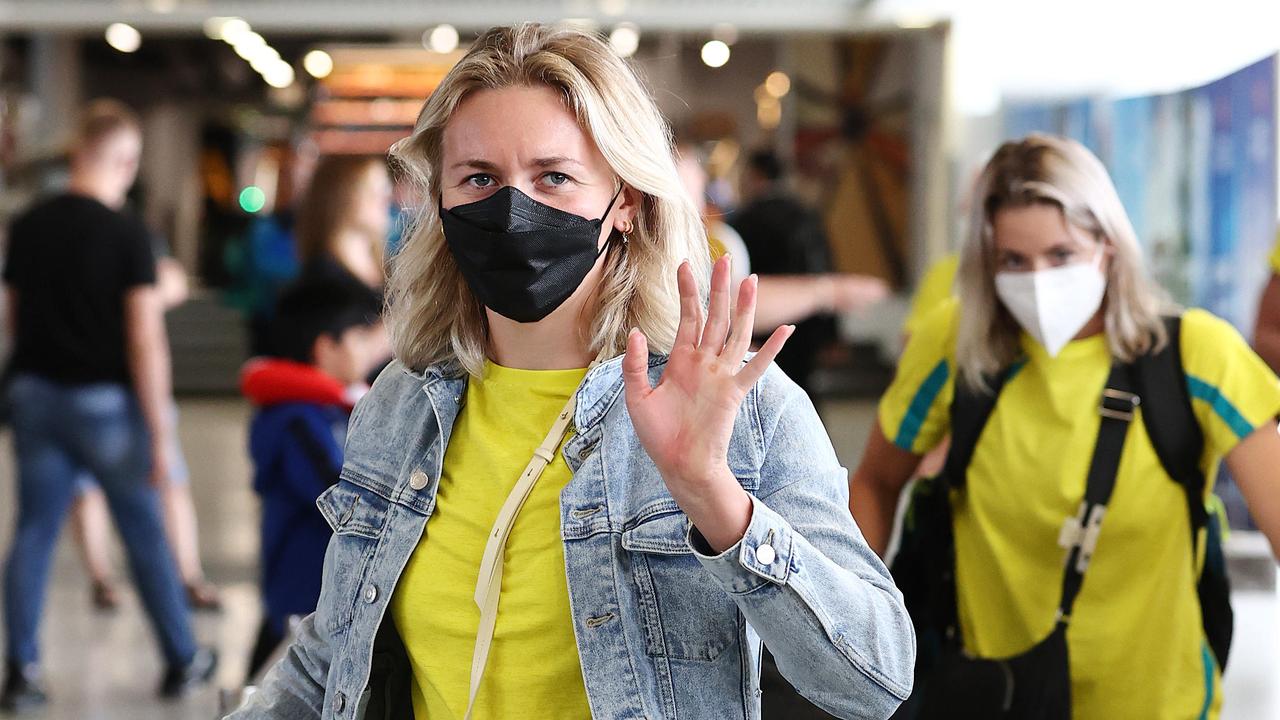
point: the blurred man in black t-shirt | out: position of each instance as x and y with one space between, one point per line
785 237
90 392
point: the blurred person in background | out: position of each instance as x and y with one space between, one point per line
90 516
344 219
343 224
91 392
270 261
1266 334
327 334
789 249
1054 305
488 559
724 240
780 299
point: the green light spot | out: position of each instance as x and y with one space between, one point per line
252 199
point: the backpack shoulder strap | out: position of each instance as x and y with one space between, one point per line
970 410
1171 423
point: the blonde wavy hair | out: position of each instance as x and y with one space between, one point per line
432 314
1056 171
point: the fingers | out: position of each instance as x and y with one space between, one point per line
690 308
755 369
744 320
717 309
635 366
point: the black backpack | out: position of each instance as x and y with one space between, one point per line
924 565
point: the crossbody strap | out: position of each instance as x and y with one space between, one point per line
1079 535
971 408
489 582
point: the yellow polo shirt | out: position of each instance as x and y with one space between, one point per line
533 669
1136 639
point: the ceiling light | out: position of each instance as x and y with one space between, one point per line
264 59
443 39
317 63
249 40
213 27
233 29
279 75
122 37
715 53
777 84
625 39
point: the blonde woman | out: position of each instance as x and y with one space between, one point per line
523 531
1053 296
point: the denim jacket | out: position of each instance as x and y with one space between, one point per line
663 630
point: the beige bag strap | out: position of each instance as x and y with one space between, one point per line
489 582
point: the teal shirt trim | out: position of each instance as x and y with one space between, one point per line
918 410
1209 668
1201 390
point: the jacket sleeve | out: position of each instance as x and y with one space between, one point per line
294 688
802 575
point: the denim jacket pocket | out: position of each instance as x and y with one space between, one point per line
357 516
686 615
353 510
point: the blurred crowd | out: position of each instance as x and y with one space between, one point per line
997 451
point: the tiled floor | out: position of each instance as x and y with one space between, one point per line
106 667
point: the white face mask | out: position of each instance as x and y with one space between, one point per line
1053 305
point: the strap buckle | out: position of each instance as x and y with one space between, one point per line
1081 532
1118 404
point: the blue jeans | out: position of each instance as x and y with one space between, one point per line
61 432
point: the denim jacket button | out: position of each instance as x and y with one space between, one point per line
340 703
370 593
418 480
765 555
584 453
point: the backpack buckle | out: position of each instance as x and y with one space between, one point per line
1118 404
1080 533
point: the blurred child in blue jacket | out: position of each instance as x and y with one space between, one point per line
324 339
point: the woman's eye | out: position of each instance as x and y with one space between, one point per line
1063 256
1010 263
556 179
480 181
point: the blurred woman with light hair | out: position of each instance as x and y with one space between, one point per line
1088 417
571 496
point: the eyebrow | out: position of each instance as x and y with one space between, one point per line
544 162
477 164
555 160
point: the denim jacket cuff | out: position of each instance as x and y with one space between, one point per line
762 555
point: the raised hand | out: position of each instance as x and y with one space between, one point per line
686 421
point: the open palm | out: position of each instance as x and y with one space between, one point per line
686 421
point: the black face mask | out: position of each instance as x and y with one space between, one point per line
522 258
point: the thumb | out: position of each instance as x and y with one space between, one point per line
635 366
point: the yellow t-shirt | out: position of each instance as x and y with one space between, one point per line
1275 256
533 669
1136 639
937 285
